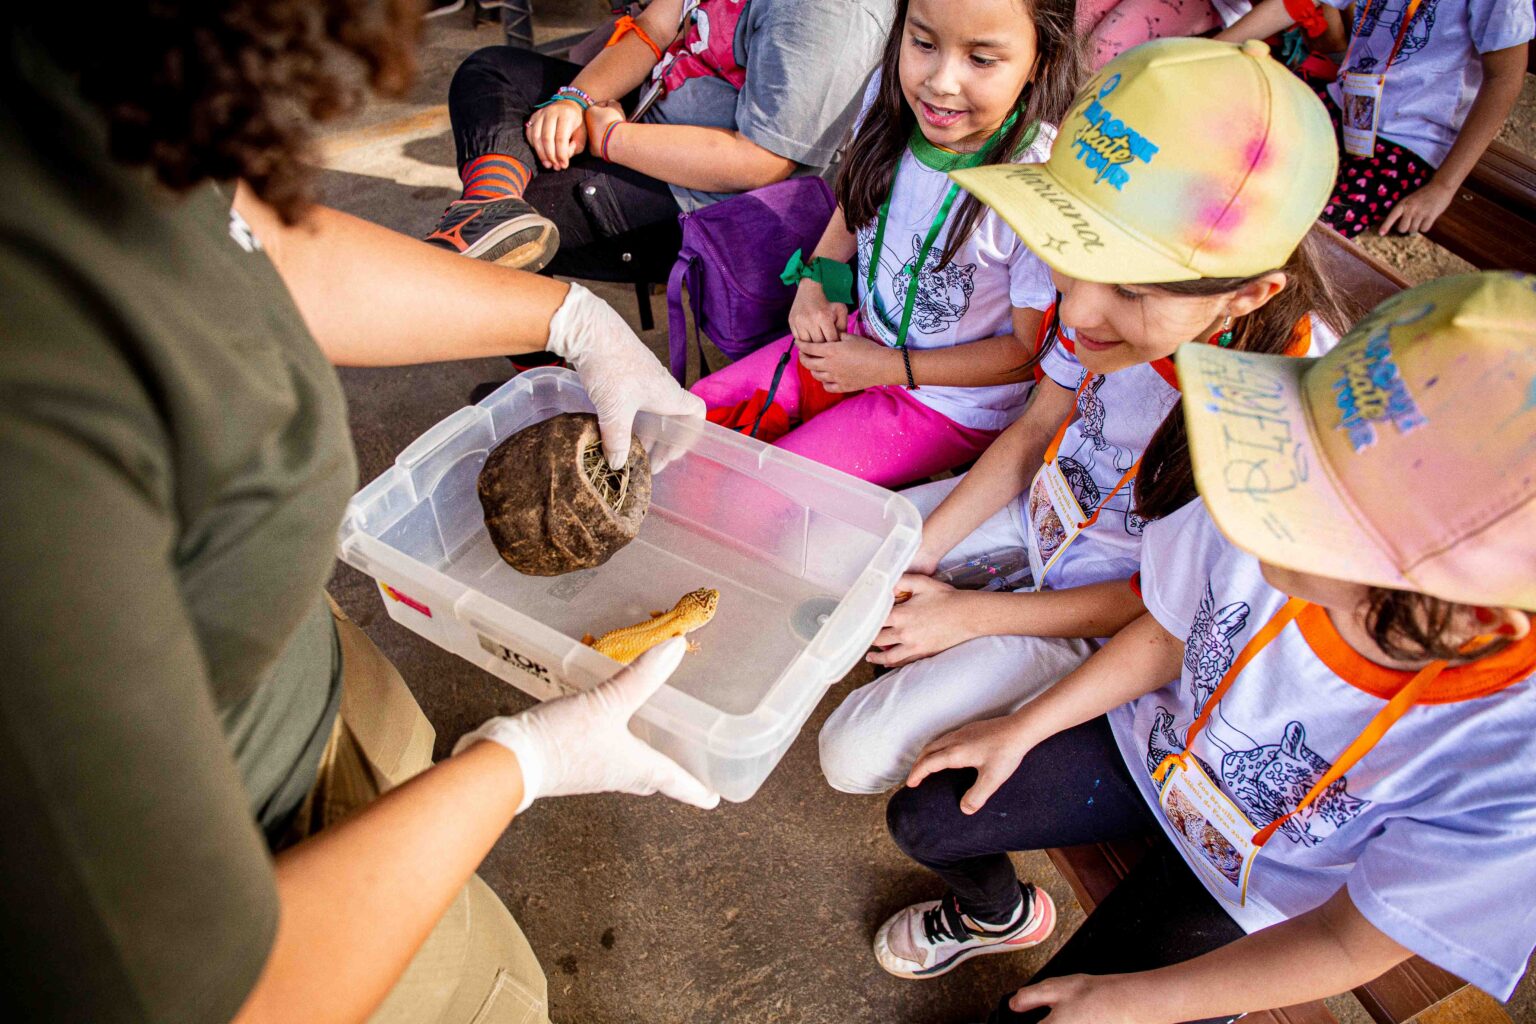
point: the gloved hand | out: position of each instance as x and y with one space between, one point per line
620 374
582 743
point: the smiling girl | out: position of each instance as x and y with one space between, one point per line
1160 227
934 362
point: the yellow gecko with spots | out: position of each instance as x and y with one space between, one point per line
629 642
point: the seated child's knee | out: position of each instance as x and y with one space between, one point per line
925 820
845 761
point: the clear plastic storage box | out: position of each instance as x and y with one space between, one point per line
804 557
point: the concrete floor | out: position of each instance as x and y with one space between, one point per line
644 910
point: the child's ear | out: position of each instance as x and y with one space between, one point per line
1256 293
1509 622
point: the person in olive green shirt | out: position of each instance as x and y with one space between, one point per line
174 461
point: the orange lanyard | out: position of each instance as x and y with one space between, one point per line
1055 447
1402 33
1368 738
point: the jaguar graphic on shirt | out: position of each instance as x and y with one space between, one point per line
1095 448
1272 779
1163 742
1268 780
1209 650
1371 14
943 296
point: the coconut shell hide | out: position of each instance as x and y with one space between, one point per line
548 497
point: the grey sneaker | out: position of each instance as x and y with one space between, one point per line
506 231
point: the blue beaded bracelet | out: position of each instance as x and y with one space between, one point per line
568 92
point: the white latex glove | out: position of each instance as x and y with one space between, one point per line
620 374
582 743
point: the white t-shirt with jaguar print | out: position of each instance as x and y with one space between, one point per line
971 299
1433 831
1116 416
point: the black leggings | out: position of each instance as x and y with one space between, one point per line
615 223
1072 789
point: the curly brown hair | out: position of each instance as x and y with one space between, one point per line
202 90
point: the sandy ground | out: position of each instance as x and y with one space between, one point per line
644 911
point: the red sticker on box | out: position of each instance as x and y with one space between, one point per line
409 602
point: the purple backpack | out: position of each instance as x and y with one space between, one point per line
732 255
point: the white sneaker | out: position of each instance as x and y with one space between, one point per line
929 939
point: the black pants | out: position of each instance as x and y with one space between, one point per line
1072 789
616 224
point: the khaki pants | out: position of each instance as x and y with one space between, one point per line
475 967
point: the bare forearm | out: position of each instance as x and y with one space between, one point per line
1001 474
624 66
837 242
999 360
1137 660
1264 20
707 159
1503 75
1321 953
359 898
1099 609
375 297
1004 359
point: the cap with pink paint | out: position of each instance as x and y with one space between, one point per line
1180 159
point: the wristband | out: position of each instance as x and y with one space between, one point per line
1308 15
602 146
567 92
835 278
906 360
627 25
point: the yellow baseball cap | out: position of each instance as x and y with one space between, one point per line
1404 458
1181 159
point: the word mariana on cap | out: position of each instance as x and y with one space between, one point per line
1370 388
1106 143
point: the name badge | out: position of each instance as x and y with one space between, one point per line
1217 837
1360 96
1055 519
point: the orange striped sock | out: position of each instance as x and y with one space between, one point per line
494 176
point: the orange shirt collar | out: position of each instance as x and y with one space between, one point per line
1461 682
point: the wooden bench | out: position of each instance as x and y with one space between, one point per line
1492 221
1413 988
1403 993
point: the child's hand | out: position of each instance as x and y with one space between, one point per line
993 747
1417 211
931 619
599 117
556 133
1079 999
812 318
852 364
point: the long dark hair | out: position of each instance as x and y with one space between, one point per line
201 90
1416 627
1166 481
870 163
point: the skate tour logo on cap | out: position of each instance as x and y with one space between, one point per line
1370 389
1106 144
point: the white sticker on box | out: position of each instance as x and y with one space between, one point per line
524 663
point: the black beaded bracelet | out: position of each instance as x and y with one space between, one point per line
906 360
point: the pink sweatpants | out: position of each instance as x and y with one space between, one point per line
882 434
1114 26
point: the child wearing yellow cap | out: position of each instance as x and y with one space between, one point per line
1339 775
1174 207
